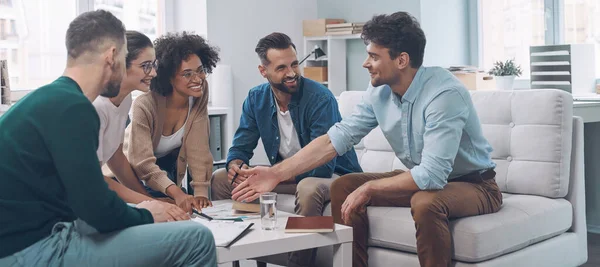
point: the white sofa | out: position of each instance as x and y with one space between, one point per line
538 149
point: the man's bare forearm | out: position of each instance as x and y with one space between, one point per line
315 154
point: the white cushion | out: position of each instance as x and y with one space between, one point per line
522 221
531 134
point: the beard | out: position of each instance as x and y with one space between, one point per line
114 84
284 88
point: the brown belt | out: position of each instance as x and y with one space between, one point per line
475 177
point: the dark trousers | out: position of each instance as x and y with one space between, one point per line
168 163
469 195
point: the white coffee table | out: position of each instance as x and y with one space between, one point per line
259 243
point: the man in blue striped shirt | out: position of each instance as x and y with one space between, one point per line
429 120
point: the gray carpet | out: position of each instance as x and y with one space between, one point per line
593 251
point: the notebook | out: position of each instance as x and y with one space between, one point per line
314 224
246 207
225 232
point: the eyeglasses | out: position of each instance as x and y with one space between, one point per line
191 74
148 66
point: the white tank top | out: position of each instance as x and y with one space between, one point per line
174 141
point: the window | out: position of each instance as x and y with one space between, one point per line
29 31
582 24
6 3
138 15
2 29
13 27
32 33
15 56
508 28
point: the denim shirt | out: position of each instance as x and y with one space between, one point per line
433 129
313 110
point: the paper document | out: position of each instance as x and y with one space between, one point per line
225 232
226 212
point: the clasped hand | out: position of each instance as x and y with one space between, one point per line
258 180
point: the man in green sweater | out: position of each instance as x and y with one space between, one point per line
52 186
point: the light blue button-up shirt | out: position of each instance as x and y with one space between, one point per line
433 129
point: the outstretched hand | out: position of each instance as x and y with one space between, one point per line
260 180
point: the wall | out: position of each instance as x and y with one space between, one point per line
236 26
188 15
445 45
446 26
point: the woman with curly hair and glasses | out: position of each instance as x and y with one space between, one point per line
169 130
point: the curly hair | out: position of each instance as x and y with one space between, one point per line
172 49
398 32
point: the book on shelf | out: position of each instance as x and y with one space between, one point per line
312 224
344 25
349 32
345 29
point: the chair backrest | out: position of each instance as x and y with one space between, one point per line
529 130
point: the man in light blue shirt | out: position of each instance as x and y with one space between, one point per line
428 118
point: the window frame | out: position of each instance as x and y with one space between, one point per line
554 33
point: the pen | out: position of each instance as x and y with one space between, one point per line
236 174
202 214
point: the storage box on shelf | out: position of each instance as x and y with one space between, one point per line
317 27
476 80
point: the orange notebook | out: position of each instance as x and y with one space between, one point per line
314 224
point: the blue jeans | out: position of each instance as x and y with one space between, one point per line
168 163
162 244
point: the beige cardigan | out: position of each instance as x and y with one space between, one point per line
144 132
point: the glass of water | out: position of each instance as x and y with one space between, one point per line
268 211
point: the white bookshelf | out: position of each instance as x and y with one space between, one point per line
226 117
334 47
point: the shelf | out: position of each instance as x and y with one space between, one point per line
332 37
214 111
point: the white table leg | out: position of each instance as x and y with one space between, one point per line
342 255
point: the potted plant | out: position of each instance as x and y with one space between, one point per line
505 73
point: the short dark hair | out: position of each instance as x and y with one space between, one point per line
398 32
136 43
274 40
91 29
172 49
